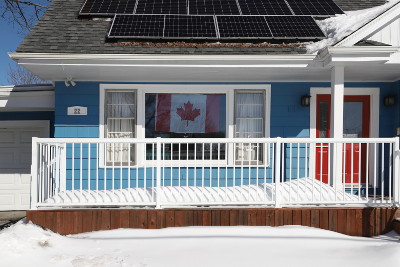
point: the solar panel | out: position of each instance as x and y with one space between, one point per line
190 27
137 26
263 7
213 7
252 27
108 7
161 7
294 27
314 7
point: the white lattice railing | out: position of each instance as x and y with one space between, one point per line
209 172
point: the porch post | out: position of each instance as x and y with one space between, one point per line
336 127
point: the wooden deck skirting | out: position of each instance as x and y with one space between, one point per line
350 221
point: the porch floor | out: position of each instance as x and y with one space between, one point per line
296 191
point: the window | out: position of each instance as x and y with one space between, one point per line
187 116
120 122
249 123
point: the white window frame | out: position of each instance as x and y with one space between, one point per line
204 88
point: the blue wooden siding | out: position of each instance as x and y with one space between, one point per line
288 119
29 115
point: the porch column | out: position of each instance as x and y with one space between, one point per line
336 127
337 100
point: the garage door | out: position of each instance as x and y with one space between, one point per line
15 164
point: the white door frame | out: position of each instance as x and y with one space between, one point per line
373 92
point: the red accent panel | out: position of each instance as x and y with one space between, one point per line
212 113
163 112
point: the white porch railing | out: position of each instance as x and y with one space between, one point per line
210 172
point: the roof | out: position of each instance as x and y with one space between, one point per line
61 31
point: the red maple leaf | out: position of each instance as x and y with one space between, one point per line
188 114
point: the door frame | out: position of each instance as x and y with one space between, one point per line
373 92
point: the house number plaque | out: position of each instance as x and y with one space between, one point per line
77 111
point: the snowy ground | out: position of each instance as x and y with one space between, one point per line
29 245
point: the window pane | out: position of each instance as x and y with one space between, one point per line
186 116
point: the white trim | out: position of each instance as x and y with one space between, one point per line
372 26
27 124
374 92
142 89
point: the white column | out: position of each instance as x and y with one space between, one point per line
336 127
337 99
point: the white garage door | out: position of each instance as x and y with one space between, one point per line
15 163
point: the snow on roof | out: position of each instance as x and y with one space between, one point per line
339 27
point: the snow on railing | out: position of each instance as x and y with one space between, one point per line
166 172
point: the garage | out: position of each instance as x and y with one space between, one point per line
25 112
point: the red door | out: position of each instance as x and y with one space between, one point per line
356 123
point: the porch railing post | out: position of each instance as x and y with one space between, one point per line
396 172
34 174
277 171
63 167
158 173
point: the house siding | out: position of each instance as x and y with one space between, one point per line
29 115
288 117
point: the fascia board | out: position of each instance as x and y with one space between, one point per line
158 57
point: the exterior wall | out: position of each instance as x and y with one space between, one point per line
288 117
389 35
29 115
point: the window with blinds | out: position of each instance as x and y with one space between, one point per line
120 122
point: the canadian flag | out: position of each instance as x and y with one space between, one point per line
187 113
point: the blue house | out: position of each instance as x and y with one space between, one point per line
261 103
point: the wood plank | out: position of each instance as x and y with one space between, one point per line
333 219
296 216
315 218
138 219
287 216
377 220
243 217
87 217
324 219
306 217
60 222
341 221
261 217
105 220
77 219
179 218
216 218
278 217
152 219
252 217
160 219
169 218
270 217
233 217
189 218
358 222
225 217
68 223
350 222
206 217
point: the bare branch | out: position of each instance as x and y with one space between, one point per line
20 76
29 3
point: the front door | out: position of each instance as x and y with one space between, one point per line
356 124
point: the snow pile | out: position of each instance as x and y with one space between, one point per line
296 190
29 245
337 28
